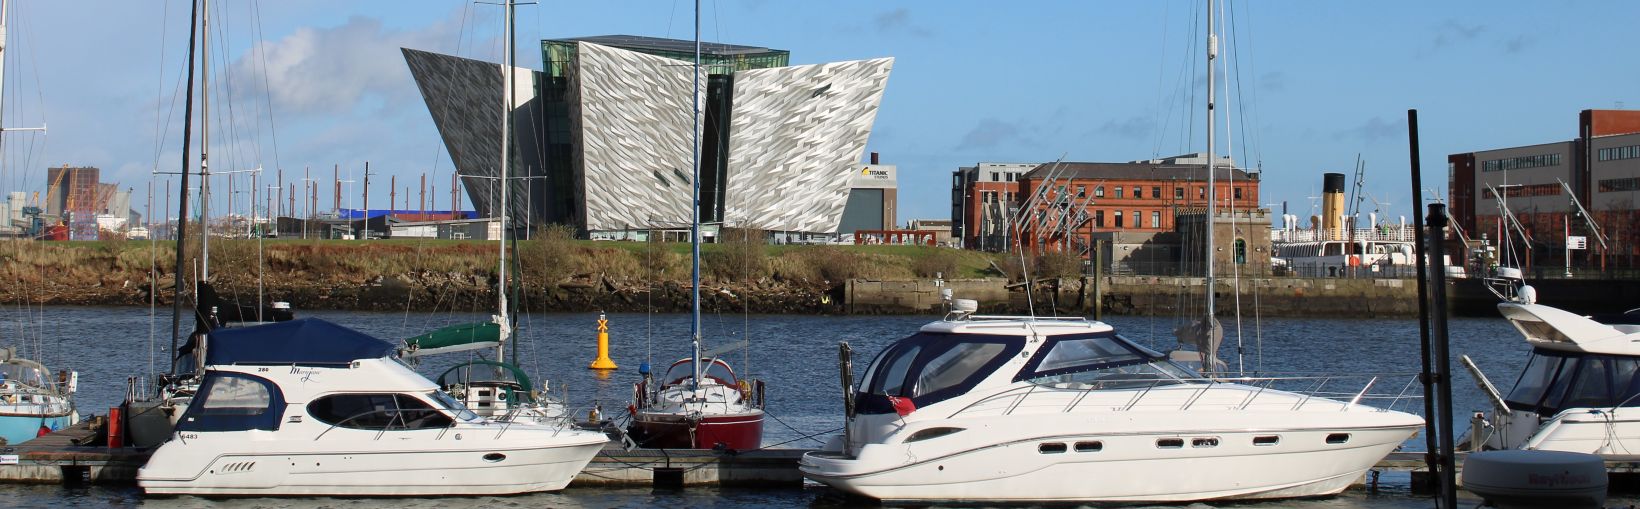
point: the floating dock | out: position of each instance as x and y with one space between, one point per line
69 456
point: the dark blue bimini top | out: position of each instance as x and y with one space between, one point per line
303 341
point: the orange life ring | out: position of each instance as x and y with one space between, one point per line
1355 260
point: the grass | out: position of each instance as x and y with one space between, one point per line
550 259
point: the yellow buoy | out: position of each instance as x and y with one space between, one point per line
603 361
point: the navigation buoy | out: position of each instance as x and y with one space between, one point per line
603 361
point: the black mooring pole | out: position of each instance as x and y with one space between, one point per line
1431 457
1436 226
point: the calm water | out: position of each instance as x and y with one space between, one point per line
796 355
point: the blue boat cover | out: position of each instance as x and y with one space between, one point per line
302 341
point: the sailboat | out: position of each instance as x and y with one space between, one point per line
699 403
33 402
494 389
986 409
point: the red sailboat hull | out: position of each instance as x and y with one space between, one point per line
740 432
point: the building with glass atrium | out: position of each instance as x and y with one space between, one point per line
606 133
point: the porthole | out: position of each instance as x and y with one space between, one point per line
1094 446
1338 438
1266 440
494 457
1204 442
1051 448
1169 443
925 434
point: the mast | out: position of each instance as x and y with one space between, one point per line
1212 195
182 214
506 121
694 209
205 141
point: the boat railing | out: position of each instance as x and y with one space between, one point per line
1351 391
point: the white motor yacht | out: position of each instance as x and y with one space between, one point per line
307 407
1581 386
1009 409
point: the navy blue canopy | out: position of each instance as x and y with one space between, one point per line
303 341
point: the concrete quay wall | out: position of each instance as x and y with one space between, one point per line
1145 295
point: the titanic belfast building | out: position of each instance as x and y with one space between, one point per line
603 133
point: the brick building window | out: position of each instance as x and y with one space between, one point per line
1178 193
1155 219
1238 193
1117 220
1118 191
1138 219
1156 192
1099 218
1099 192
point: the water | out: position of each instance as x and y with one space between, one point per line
796 355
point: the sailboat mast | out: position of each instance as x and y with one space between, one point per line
205 141
4 9
182 214
506 121
1212 195
694 208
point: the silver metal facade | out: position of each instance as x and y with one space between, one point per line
464 97
630 118
796 136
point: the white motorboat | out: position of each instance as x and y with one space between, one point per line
1008 409
1580 386
306 407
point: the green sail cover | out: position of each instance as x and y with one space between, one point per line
454 338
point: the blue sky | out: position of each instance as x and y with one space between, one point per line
1027 81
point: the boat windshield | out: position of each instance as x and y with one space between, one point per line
26 374
1555 380
930 367
1100 361
454 407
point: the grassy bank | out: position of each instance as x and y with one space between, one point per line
394 274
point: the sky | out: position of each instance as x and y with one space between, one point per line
1313 85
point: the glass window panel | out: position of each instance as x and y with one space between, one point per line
236 396
954 366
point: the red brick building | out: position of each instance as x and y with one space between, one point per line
1062 205
1600 167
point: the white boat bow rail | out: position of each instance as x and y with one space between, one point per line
1223 393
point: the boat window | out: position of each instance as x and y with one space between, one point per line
1534 380
931 367
1051 448
1103 361
1094 446
377 412
1077 352
1553 381
954 366
894 378
234 402
455 407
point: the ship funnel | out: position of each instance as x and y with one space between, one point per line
1332 204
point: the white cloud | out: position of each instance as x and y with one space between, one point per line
330 70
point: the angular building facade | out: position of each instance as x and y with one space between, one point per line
609 143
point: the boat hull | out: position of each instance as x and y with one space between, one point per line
364 472
740 432
1126 468
19 428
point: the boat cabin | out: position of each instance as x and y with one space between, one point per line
929 366
1556 380
714 371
